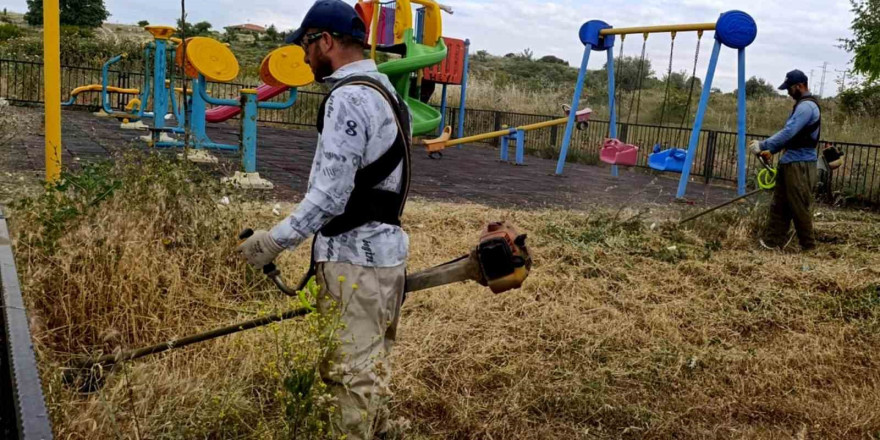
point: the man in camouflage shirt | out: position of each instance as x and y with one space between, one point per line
360 265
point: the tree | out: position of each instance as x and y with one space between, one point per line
759 88
865 43
482 55
86 13
143 23
626 73
272 33
552 60
201 28
527 54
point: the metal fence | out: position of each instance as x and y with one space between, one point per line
858 179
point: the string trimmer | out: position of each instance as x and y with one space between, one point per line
500 261
766 180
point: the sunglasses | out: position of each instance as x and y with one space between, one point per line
311 38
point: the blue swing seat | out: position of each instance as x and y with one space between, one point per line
671 159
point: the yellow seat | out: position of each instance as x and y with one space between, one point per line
212 59
286 67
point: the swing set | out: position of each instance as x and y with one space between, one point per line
734 29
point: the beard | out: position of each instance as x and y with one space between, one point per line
322 67
796 94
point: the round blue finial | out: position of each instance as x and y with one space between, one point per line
736 29
589 35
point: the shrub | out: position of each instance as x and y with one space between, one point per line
9 32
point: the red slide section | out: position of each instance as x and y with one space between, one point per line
220 114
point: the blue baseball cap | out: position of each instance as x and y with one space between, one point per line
333 16
792 78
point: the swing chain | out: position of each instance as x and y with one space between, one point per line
668 81
639 79
693 79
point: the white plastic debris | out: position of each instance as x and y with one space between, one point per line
224 200
276 209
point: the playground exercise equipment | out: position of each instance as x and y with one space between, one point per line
734 29
416 56
133 109
436 146
500 261
209 59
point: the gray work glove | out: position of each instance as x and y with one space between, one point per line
260 249
755 147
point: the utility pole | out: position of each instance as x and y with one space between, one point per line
822 86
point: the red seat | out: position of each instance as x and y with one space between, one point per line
615 152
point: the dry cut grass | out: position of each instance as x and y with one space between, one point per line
628 327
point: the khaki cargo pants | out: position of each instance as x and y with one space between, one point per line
792 202
358 373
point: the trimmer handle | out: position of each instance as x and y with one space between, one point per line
270 270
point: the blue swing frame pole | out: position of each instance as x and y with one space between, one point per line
569 126
612 124
463 97
741 125
443 106
698 122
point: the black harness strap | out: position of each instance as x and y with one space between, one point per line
367 203
804 137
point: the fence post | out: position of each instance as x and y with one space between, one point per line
624 132
709 161
496 126
554 133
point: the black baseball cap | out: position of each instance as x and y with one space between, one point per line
792 78
333 16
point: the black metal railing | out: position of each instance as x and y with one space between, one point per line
858 179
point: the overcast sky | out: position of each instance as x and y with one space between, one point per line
802 37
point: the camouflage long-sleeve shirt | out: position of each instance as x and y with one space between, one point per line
359 127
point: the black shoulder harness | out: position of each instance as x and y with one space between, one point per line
366 203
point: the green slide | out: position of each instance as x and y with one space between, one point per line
418 56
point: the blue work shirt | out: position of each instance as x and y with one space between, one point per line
806 113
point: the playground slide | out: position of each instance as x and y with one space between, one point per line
222 113
426 119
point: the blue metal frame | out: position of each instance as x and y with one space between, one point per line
698 122
741 124
505 144
520 146
443 106
463 97
569 126
420 25
160 94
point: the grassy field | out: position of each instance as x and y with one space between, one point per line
628 327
